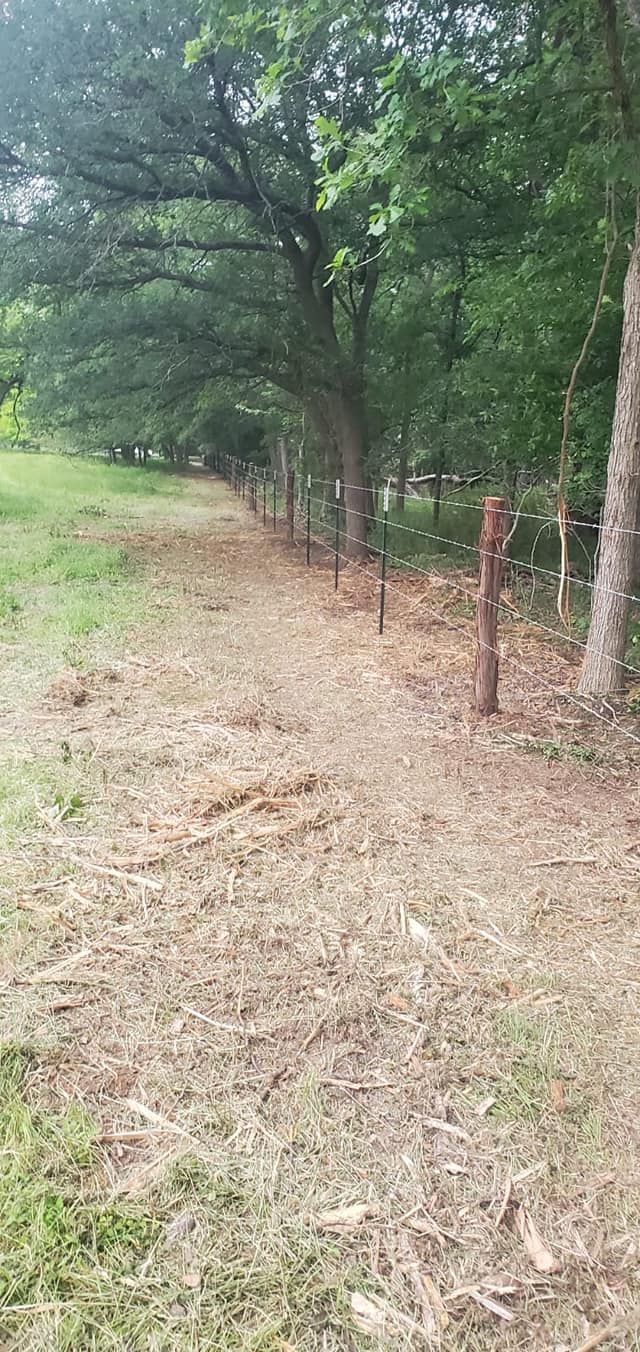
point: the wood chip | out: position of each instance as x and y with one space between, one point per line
537 1250
418 932
436 1300
494 1306
481 1109
563 859
59 970
438 1124
378 1319
506 1200
368 1085
221 1024
557 1095
66 1002
343 1220
156 1119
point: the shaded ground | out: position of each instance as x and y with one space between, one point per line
302 947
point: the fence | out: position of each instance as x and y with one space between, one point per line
282 499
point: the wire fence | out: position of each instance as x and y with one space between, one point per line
285 501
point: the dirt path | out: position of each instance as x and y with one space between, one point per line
313 941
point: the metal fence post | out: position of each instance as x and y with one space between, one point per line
335 580
290 503
383 557
308 520
275 499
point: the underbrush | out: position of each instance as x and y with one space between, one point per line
415 538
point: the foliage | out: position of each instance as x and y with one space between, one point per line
368 229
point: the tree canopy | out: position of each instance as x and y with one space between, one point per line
385 226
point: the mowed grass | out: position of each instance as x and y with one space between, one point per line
58 584
67 599
211 1256
199 1262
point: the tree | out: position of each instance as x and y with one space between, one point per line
603 669
383 226
122 169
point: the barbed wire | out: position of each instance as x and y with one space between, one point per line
505 657
503 606
300 512
477 507
489 554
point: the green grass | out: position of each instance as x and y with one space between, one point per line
61 1245
60 583
31 786
67 598
82 1272
38 488
553 750
455 536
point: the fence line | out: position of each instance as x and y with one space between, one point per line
509 610
477 549
512 661
253 485
477 507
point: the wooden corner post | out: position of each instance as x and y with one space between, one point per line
492 538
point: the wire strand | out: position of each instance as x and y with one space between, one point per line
512 661
511 611
502 606
446 619
489 554
477 507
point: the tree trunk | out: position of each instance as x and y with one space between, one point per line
606 644
350 430
437 483
283 455
403 459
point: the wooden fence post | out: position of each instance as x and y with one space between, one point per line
290 503
491 569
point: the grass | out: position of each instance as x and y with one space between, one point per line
80 1270
194 984
553 750
456 534
63 592
58 583
29 786
65 1252
63 595
62 589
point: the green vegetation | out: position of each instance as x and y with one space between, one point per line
59 584
393 273
78 1270
66 594
62 1248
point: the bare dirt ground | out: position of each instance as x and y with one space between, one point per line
374 966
